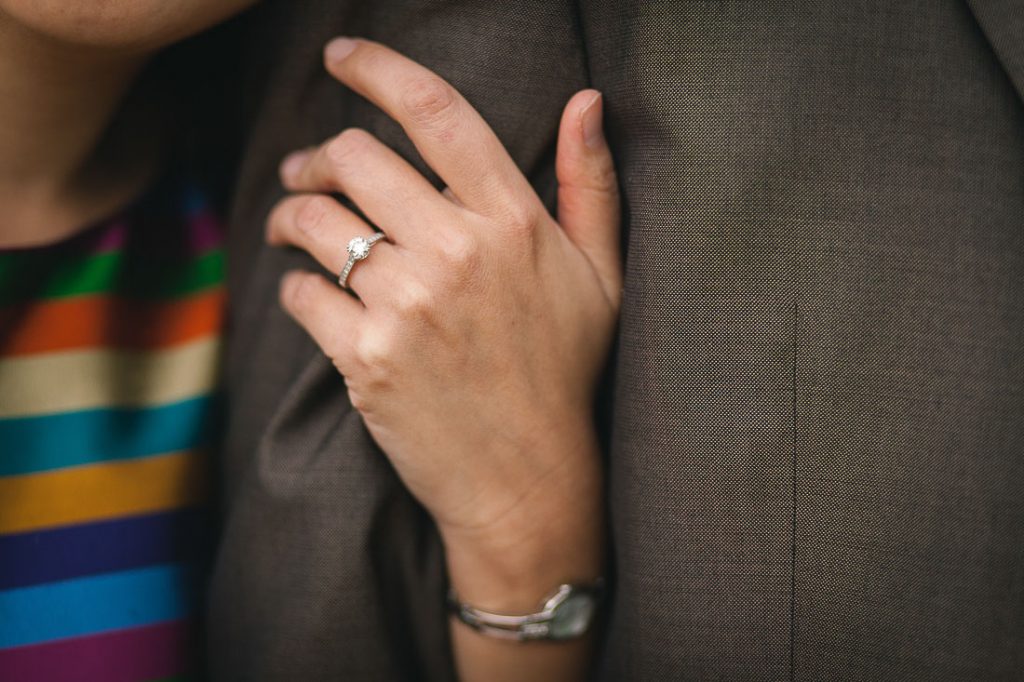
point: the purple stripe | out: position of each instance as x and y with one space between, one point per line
109 238
148 653
102 547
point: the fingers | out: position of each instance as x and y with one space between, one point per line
450 135
321 226
588 192
327 313
391 193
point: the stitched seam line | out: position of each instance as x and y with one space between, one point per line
792 583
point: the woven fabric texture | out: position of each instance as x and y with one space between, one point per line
816 413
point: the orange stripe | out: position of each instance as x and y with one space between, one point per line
104 321
102 491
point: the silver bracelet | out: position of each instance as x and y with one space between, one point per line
566 613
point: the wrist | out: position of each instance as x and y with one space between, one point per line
555 534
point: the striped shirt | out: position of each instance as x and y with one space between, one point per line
108 368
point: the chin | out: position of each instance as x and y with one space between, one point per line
141 24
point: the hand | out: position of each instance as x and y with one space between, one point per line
481 326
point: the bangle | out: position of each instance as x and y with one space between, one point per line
566 613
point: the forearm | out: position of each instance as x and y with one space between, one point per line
555 535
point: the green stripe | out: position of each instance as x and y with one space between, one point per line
62 279
108 272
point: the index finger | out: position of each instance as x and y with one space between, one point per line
449 133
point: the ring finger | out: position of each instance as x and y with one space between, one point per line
321 226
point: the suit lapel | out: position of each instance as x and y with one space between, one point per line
1002 21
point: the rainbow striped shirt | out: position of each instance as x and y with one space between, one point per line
108 391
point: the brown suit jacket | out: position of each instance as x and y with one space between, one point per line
815 416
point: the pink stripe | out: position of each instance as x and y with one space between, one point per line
204 232
147 653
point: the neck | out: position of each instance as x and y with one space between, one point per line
56 102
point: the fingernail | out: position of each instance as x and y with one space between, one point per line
590 119
338 49
293 163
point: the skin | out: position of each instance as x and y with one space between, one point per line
477 338
136 26
65 66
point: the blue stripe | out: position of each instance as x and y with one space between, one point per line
33 444
102 547
84 606
195 201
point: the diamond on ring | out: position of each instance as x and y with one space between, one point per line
358 249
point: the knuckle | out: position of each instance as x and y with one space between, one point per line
311 214
346 147
373 351
591 177
521 219
358 400
604 179
431 102
414 300
461 251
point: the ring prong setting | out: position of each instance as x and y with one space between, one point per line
359 248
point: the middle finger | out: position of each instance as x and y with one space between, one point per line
385 186
449 133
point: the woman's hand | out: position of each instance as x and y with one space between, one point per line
481 326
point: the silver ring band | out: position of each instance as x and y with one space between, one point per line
358 249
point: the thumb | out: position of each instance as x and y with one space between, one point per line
588 191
